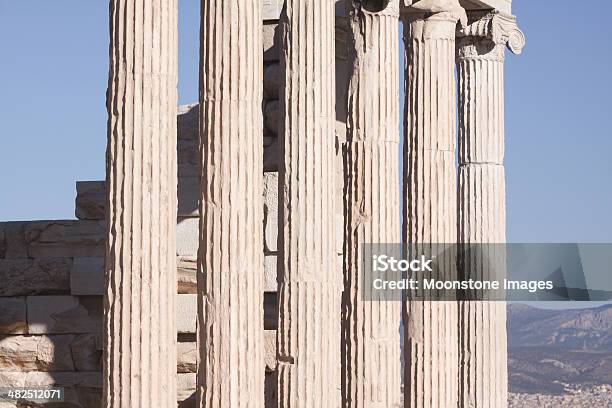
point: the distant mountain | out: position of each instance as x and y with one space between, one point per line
550 350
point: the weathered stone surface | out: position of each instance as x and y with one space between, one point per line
186 274
86 350
371 366
430 201
186 390
270 198
64 314
13 315
271 9
186 357
483 374
310 286
36 353
270 270
186 313
270 349
44 276
139 308
12 240
81 390
187 236
231 251
87 276
188 196
90 201
271 41
64 238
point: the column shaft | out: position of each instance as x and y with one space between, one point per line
308 337
371 366
230 258
483 376
430 199
139 306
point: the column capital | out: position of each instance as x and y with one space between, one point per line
389 8
449 10
500 28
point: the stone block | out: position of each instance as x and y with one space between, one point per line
186 275
272 79
82 390
87 276
36 353
12 240
270 268
65 238
270 349
45 276
86 351
186 313
270 194
186 387
187 236
64 314
186 357
271 42
90 201
271 9
13 319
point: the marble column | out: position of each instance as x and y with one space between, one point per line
430 197
230 258
309 282
483 381
371 366
139 306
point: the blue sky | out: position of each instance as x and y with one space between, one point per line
53 76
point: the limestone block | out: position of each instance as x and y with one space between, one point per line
271 42
90 201
270 349
36 353
87 276
186 275
186 357
82 390
65 238
64 314
271 9
47 276
13 315
186 313
86 350
12 240
187 236
270 269
270 195
271 116
272 77
186 386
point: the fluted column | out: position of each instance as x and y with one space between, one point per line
482 217
139 306
309 285
371 366
230 258
430 206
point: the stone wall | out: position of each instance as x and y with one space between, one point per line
52 272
